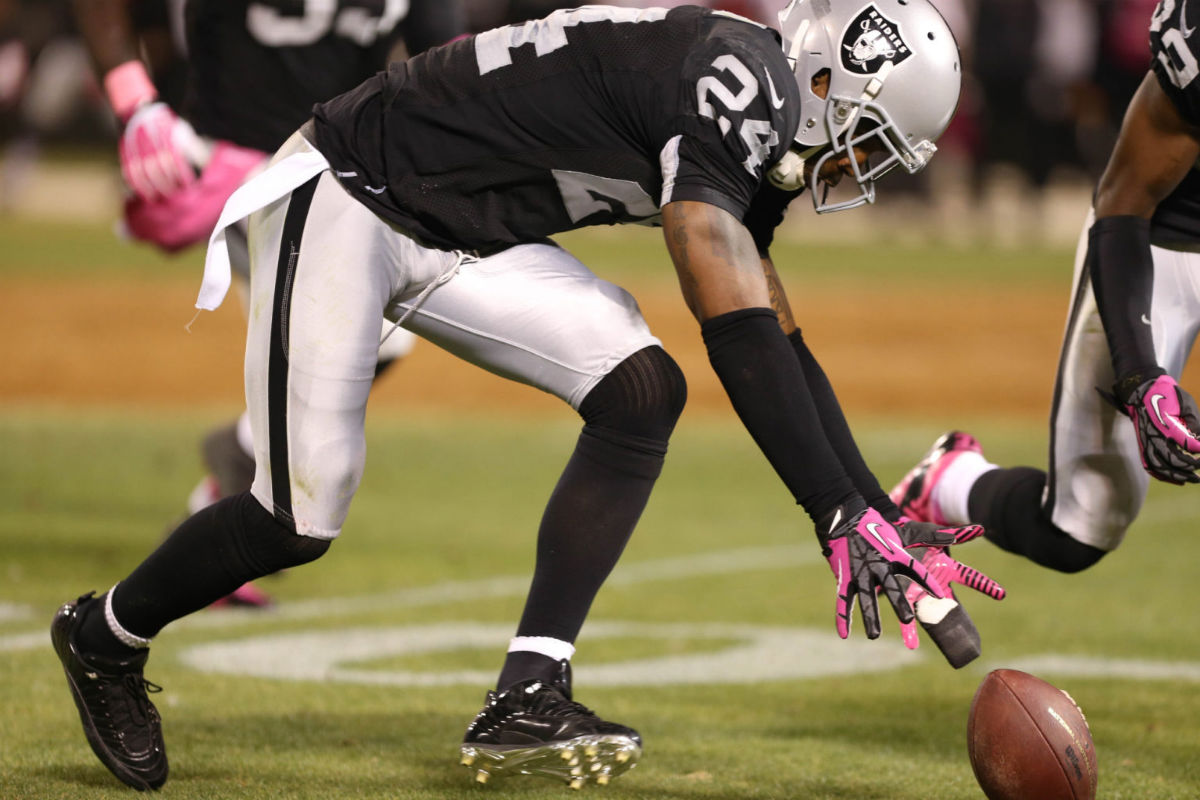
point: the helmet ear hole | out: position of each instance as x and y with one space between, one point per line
819 84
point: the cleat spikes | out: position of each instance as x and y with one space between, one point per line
560 739
602 779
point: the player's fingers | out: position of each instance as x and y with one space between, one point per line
895 594
969 576
870 612
967 533
908 633
842 609
916 571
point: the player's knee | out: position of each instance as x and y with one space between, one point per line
642 397
273 545
1070 555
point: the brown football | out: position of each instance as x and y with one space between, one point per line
1029 741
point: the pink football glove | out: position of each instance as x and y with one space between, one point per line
154 141
867 555
944 619
188 216
1166 420
152 152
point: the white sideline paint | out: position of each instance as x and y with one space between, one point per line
758 654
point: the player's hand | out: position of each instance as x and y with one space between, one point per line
1167 421
936 558
867 554
152 149
944 619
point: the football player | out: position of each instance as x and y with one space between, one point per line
1119 417
425 196
254 70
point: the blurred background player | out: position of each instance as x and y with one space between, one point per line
1134 317
251 73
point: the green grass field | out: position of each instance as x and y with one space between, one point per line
714 636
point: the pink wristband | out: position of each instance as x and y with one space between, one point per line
128 86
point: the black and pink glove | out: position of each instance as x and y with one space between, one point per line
1166 420
867 555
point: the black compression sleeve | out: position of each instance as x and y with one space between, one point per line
837 431
1122 275
762 376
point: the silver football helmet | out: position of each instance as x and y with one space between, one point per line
894 80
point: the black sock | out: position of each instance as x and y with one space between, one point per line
521 665
1008 503
95 638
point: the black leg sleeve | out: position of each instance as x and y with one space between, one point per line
1008 504
209 555
762 376
603 490
837 431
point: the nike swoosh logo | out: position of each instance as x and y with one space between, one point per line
1145 319
873 529
1155 399
776 100
1183 28
1174 422
837 518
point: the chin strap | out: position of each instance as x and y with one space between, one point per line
788 174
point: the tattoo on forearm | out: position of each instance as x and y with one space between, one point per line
778 300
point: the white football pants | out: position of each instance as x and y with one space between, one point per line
325 274
1096 484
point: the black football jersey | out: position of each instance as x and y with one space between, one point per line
257 67
595 115
1175 59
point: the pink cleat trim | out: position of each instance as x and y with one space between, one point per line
914 493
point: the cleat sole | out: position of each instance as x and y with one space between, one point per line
607 756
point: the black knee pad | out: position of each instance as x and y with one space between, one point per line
642 397
269 544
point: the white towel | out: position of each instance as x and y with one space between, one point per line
265 188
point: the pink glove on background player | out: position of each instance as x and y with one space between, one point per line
154 141
188 215
1167 423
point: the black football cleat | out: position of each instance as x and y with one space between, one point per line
534 728
120 722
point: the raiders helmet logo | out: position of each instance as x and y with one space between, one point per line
870 40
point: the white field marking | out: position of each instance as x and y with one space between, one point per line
448 592
13 611
759 654
1120 668
719 562
25 641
